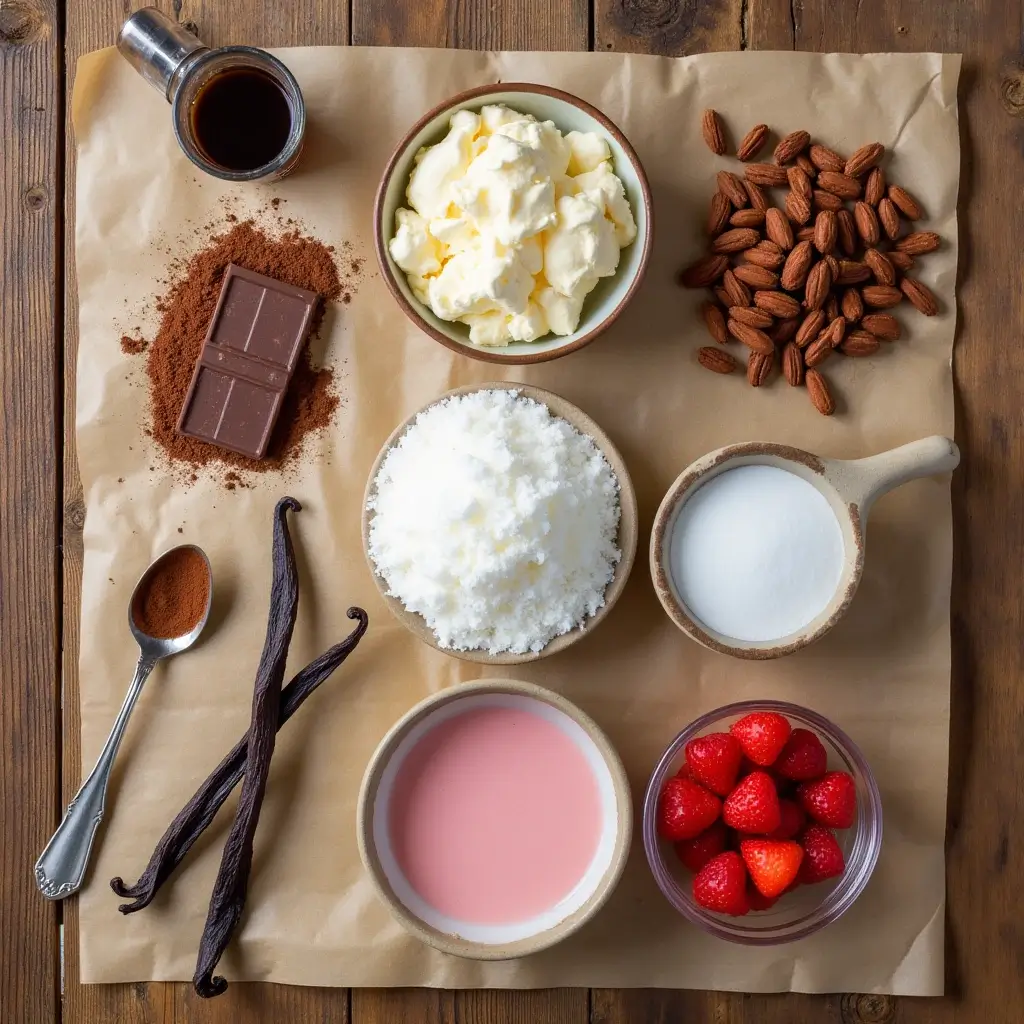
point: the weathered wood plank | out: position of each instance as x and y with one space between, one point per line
670 27
30 255
90 26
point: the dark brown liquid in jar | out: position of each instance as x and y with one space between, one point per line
241 119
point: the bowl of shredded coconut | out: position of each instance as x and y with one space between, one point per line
513 223
500 523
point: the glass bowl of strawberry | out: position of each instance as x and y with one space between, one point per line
762 822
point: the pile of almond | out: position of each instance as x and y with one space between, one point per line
815 276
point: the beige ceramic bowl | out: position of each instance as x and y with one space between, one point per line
501 942
604 304
627 539
850 488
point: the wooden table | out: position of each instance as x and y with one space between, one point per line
41 507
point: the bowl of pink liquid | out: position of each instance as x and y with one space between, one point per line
494 819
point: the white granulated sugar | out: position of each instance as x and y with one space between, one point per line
496 522
756 553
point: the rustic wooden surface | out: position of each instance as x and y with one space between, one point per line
41 510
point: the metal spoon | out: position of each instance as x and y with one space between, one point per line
61 866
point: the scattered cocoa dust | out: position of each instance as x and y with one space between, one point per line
133 346
186 310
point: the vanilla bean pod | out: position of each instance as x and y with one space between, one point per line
228 898
197 814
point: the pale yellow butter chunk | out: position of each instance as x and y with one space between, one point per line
511 225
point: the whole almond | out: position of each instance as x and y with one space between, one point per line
874 187
737 291
826 159
859 343
718 214
905 202
791 145
831 307
884 271
835 330
797 266
793 365
819 281
818 351
918 243
756 277
866 219
783 331
852 305
777 228
890 218
799 182
752 337
759 366
749 218
826 201
724 297
752 142
841 185
769 175
779 304
825 231
756 195
882 325
751 316
735 240
711 129
881 296
833 267
803 161
864 159
706 271
715 359
798 208
810 328
805 234
766 254
900 260
852 272
817 390
847 232
715 320
920 296
731 186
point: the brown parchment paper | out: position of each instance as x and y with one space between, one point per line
883 673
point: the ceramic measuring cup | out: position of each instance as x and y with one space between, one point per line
850 488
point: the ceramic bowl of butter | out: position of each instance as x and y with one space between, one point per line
513 223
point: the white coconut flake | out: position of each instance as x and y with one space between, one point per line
496 521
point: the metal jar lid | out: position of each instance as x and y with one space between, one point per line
158 48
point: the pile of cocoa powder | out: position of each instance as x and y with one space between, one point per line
186 309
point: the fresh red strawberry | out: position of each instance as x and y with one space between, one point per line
803 757
758 900
822 856
831 800
793 820
685 809
753 806
696 852
762 734
721 885
714 760
772 864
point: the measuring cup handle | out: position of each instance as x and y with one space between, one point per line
863 481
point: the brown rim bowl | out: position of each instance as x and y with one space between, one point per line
518 939
604 304
627 538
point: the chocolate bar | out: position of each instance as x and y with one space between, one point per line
249 355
